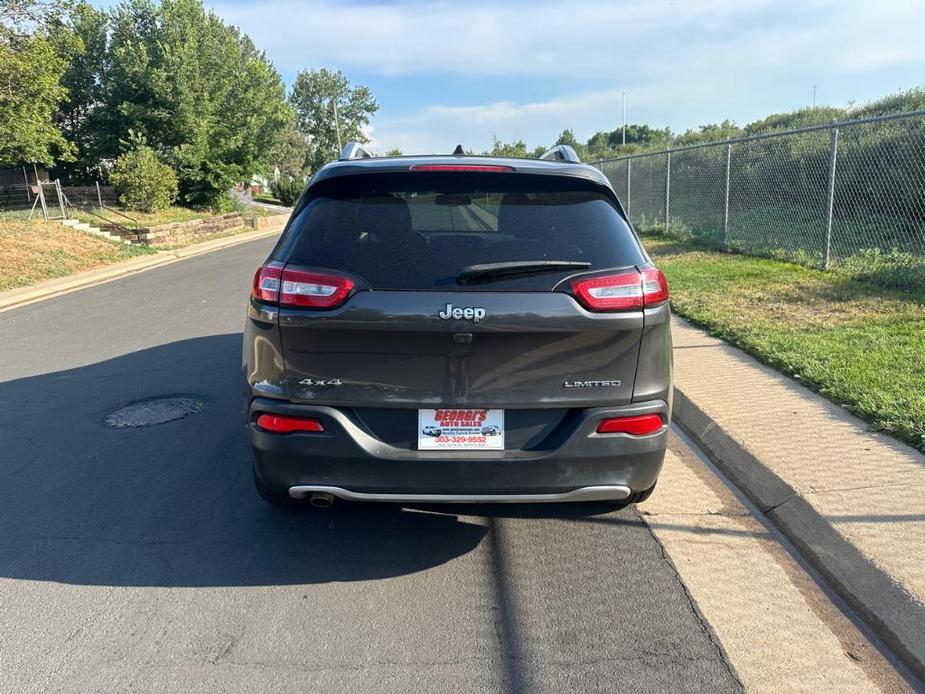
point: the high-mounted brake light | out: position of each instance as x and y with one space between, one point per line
461 167
625 291
637 425
284 424
276 284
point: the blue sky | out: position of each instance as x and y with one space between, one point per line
448 72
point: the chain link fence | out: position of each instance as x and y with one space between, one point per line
48 199
849 195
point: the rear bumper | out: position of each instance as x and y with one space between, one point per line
346 460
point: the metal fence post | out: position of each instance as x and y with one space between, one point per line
629 177
726 199
833 157
667 190
60 198
41 189
26 177
99 197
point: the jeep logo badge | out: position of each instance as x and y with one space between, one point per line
473 313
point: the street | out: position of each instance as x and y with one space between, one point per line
141 559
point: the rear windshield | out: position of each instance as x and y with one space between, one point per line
419 231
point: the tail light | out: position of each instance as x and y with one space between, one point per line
284 424
277 284
625 291
266 282
637 425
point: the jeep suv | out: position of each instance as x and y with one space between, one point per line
458 329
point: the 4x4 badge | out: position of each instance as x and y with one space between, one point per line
320 382
473 313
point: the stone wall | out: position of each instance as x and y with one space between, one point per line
194 229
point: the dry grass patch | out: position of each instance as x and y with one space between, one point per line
33 251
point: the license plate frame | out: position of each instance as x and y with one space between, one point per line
461 429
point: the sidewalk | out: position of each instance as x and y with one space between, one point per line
852 501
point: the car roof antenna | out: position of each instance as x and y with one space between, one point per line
459 151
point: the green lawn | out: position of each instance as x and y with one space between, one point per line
858 343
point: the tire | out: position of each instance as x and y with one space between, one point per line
271 496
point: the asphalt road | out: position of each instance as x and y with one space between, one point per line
142 559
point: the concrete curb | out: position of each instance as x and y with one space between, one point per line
889 610
15 298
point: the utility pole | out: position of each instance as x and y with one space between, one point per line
624 118
814 96
340 146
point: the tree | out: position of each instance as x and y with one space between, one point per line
315 95
32 62
638 137
199 91
25 13
291 153
79 113
712 132
508 149
394 152
567 137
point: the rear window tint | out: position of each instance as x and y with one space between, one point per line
418 231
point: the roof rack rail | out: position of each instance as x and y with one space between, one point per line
354 150
561 153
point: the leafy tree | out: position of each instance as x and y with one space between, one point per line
31 67
79 114
142 180
315 93
567 137
713 132
516 148
198 90
25 13
291 152
394 152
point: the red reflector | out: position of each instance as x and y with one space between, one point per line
266 282
313 290
638 425
283 424
460 167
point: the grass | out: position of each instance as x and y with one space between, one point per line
33 251
858 343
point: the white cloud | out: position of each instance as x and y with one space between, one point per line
683 62
564 37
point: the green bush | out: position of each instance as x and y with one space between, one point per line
143 181
286 190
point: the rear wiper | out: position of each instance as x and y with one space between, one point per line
487 271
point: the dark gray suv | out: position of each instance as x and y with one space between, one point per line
458 329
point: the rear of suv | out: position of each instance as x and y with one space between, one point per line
458 328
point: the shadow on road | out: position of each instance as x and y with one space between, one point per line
174 504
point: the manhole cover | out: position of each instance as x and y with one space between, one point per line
155 411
